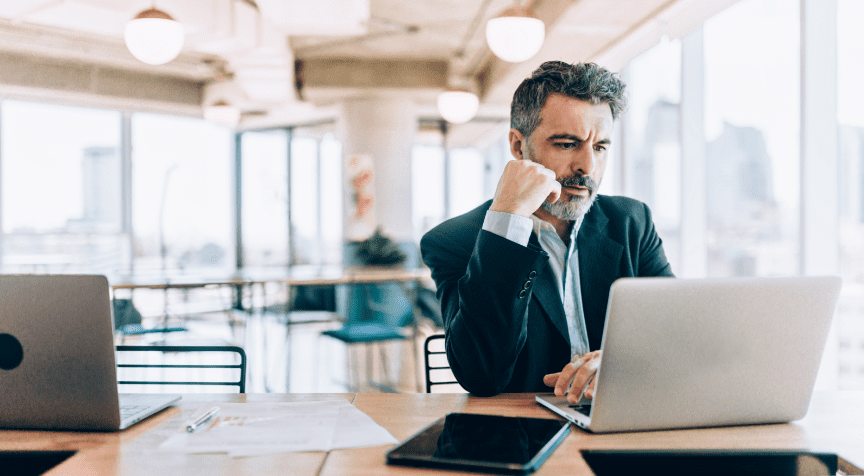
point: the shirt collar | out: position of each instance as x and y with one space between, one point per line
541 225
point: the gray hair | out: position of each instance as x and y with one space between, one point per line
583 81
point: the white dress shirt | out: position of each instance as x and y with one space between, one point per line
563 261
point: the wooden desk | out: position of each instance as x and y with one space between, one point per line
833 424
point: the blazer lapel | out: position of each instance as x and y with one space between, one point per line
547 294
599 264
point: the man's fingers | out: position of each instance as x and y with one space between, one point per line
589 392
556 193
564 378
584 374
523 187
549 380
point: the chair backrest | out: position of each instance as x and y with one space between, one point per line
158 363
438 373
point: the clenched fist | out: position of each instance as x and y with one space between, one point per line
523 188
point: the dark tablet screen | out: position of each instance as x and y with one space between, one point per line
482 442
711 462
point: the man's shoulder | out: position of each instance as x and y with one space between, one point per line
613 206
468 223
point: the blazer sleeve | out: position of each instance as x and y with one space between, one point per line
484 287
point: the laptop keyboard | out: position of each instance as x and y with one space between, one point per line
583 409
128 411
133 404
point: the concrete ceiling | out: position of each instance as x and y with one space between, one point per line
289 62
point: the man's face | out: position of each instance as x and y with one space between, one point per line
572 140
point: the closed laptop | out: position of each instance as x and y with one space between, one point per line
57 365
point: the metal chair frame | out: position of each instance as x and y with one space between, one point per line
427 352
240 383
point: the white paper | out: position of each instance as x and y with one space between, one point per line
251 429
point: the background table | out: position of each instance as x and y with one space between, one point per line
834 424
293 276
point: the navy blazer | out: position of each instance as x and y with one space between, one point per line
503 314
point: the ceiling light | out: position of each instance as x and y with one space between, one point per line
222 113
154 37
458 107
515 35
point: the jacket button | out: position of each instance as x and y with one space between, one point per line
532 274
527 284
523 293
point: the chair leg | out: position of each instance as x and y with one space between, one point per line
384 367
370 367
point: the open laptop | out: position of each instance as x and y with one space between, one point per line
57 368
683 353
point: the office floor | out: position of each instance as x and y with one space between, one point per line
295 358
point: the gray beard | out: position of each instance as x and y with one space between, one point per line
573 209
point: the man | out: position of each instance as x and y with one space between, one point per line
524 279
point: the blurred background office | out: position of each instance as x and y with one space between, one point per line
745 134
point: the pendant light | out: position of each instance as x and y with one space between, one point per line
222 113
457 106
516 34
153 37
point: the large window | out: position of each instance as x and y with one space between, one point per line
653 140
182 194
850 318
448 183
752 120
264 198
316 197
61 189
466 180
427 187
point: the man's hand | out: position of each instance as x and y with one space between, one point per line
523 187
580 371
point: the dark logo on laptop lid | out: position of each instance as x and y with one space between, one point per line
11 352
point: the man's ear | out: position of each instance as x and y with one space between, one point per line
517 144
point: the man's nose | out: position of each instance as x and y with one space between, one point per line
584 161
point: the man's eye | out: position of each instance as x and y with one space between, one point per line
566 145
599 148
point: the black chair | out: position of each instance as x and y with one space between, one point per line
437 367
240 383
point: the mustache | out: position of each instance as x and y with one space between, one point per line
579 181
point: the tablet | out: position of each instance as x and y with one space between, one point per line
488 443
711 462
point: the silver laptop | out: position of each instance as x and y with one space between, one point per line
57 369
683 353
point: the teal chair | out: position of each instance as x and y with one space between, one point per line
388 315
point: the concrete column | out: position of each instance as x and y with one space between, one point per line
382 128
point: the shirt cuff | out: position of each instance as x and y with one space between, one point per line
506 225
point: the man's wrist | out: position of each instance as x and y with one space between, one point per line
515 228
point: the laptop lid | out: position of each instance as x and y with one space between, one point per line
57 368
681 353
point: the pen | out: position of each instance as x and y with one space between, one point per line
202 419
